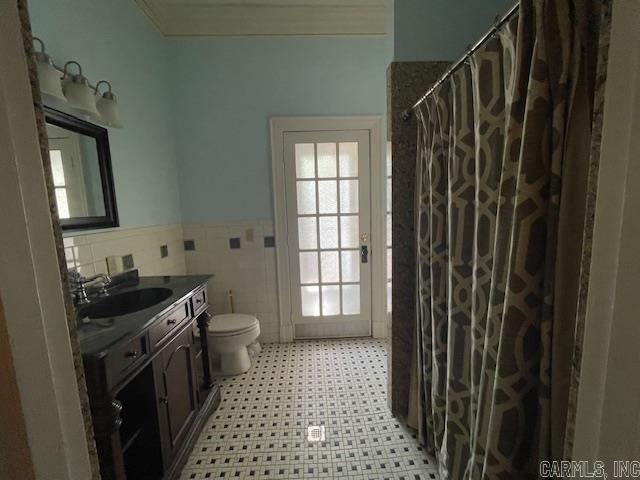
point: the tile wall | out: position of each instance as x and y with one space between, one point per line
242 257
240 254
88 252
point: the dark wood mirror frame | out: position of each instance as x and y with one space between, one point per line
100 134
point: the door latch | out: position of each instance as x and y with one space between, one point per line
364 254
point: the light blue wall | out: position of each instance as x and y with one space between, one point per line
441 29
113 40
203 104
227 88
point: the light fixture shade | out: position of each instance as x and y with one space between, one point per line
49 77
79 95
108 108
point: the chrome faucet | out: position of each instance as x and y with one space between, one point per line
79 285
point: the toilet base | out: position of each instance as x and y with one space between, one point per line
236 362
254 348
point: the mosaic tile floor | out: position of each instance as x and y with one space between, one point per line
260 429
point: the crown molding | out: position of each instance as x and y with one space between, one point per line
267 17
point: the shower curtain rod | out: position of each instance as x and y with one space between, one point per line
470 51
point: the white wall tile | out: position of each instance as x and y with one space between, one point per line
88 252
248 271
217 232
267 229
268 337
86 270
101 266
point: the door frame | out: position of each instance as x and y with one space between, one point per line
34 319
373 124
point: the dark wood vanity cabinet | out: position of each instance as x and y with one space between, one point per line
151 395
176 391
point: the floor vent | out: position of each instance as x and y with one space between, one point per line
315 433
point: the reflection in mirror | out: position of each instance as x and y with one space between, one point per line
76 173
81 170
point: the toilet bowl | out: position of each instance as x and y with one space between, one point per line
229 335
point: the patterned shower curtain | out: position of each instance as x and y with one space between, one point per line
496 296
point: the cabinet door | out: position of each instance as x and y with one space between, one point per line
176 391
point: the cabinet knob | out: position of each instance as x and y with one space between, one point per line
198 300
171 321
164 400
133 355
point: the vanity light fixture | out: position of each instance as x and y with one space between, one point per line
48 75
72 93
108 106
78 92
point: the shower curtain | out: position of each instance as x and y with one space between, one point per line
503 152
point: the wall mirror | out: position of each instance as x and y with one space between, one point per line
82 175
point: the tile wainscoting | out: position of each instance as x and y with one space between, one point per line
88 252
242 257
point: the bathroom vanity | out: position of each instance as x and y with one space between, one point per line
147 368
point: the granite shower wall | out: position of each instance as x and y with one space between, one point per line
407 81
241 255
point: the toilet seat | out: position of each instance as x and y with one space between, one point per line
231 324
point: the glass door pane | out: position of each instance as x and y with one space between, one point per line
332 264
328 222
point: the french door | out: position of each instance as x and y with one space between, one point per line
328 224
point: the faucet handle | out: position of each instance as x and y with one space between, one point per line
76 284
74 276
106 282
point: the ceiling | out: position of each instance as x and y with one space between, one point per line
267 17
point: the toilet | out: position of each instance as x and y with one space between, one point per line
229 336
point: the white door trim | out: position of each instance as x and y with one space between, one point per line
30 282
280 125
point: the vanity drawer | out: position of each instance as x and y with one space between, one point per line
199 301
123 359
160 330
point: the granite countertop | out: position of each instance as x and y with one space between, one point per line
100 335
